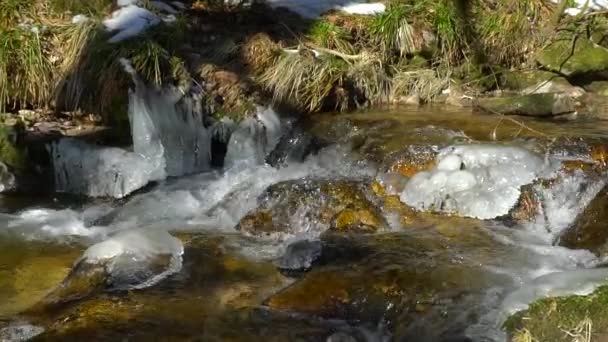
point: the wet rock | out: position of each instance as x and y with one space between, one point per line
313 206
395 278
574 57
300 256
293 146
543 105
589 230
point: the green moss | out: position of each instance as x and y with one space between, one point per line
9 153
548 319
520 80
574 57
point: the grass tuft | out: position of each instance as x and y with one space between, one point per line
303 80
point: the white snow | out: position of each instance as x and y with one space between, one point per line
590 5
364 9
123 3
314 8
479 181
79 19
129 21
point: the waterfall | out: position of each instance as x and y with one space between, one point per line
169 139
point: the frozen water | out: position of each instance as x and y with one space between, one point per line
129 256
253 139
590 5
19 332
480 181
79 19
167 125
96 171
169 139
129 21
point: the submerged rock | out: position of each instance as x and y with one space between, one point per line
311 207
397 279
547 104
574 57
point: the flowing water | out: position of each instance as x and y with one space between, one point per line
304 234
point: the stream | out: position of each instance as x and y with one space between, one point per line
411 224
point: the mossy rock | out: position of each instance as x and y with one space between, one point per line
542 105
557 319
589 230
598 88
534 81
574 57
595 106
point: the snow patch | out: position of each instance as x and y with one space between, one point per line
314 8
79 19
129 22
479 181
588 5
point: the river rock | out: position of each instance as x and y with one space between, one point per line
574 57
589 230
312 206
538 82
543 105
594 106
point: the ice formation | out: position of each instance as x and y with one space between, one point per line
253 139
479 181
164 123
129 21
169 139
79 19
314 8
95 171
132 257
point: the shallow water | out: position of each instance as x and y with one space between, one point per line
417 277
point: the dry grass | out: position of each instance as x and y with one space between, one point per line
303 80
424 82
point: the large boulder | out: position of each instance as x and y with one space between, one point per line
574 57
541 105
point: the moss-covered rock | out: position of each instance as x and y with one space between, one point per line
543 105
573 57
562 319
10 154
